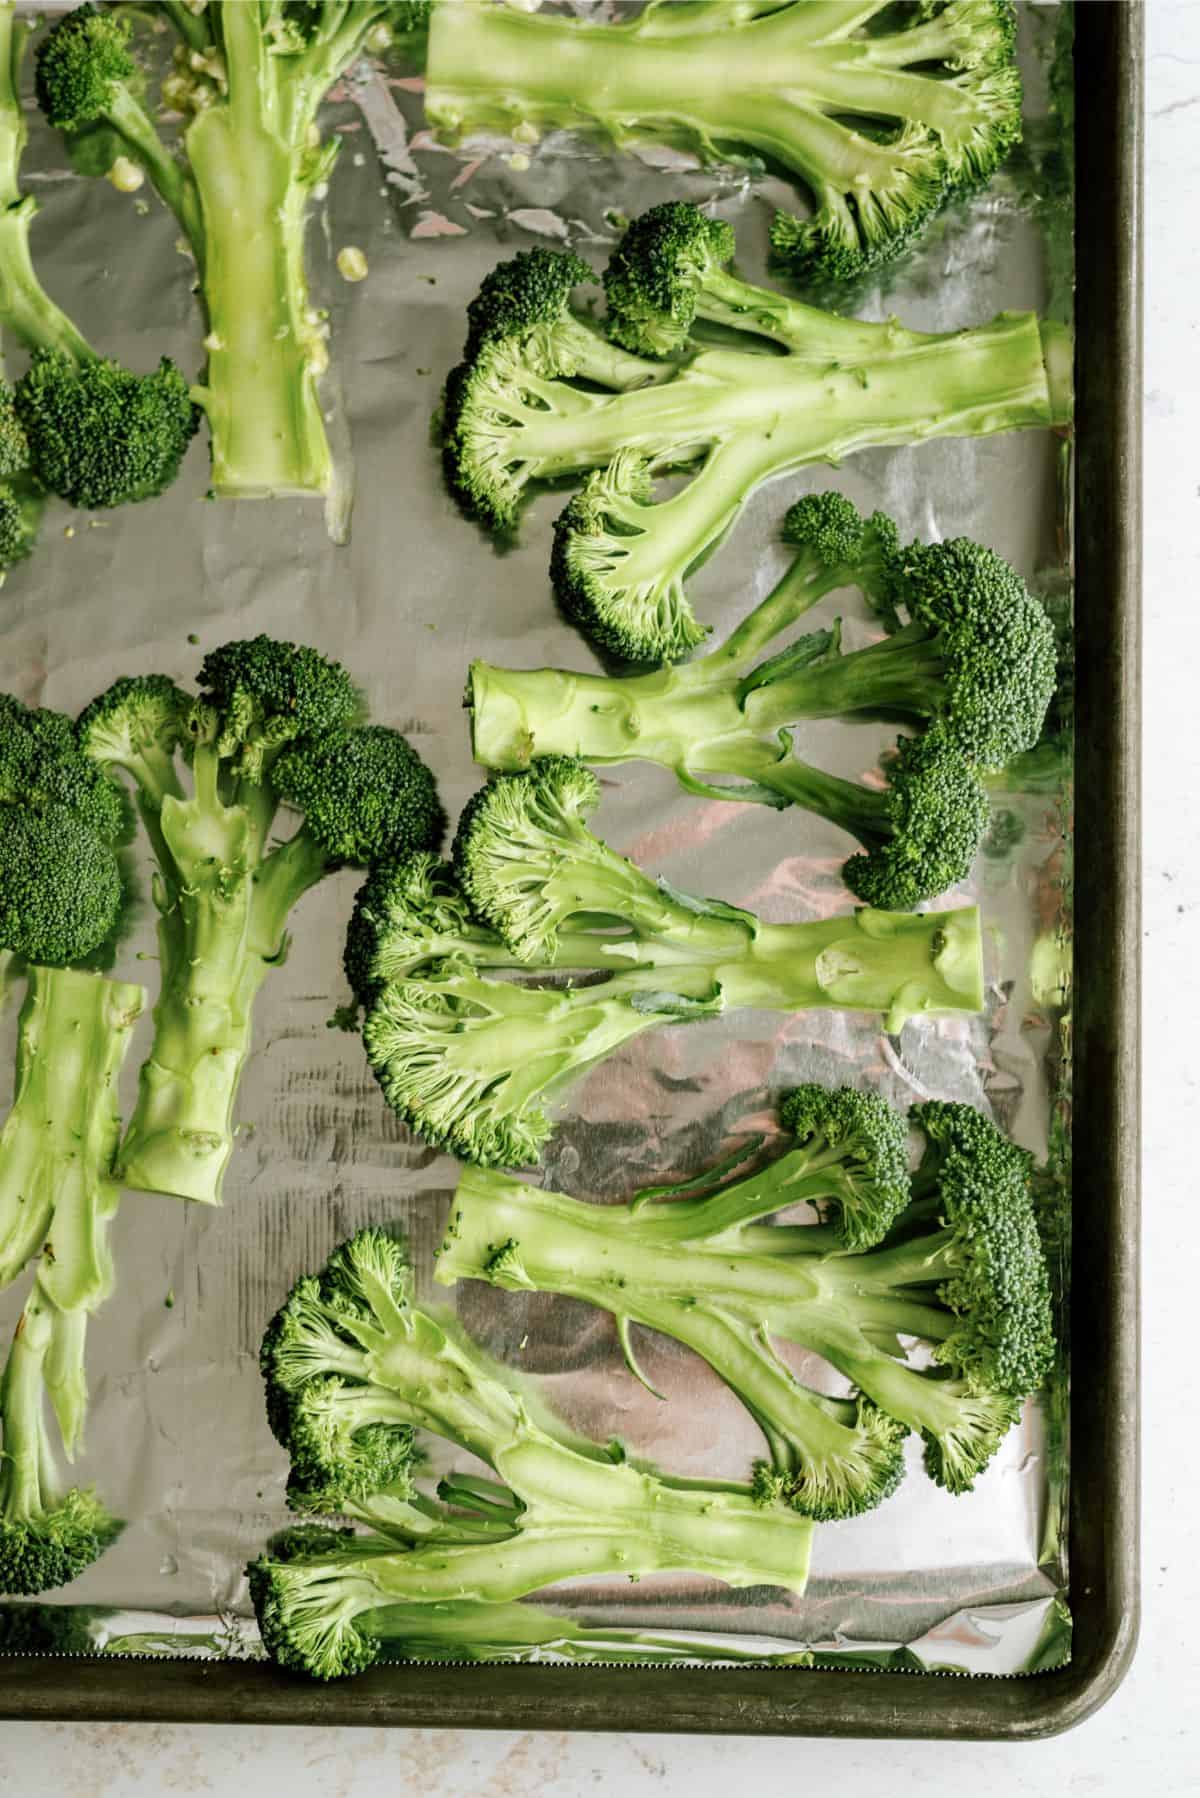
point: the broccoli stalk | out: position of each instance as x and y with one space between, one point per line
94 433
249 80
464 1057
962 1271
353 1369
513 416
48 1536
881 123
273 727
270 729
974 669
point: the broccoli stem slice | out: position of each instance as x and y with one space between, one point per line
26 308
26 1473
58 1142
254 175
768 83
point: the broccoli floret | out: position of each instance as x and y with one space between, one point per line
465 1059
14 445
959 1267
363 793
353 1370
973 669
60 885
48 1535
521 338
99 436
21 508
81 66
272 726
882 114
517 414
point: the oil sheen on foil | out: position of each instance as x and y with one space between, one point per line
178 1442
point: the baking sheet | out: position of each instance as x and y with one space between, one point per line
178 1440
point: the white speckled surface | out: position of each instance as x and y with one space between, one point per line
1148 1737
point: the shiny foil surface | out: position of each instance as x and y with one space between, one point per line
178 1442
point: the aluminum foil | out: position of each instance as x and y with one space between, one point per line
178 1442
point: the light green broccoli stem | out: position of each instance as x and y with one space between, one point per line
27 1481
26 309
674 716
663 1269
58 1142
705 79
715 1292
254 172
222 928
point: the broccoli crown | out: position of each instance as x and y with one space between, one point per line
996 640
302 1541
956 1456
41 765
829 1488
652 277
421 1038
999 1288
79 64
14 445
99 435
320 1402
260 693
832 529
47 1629
365 794
937 811
861 1143
61 893
55 1546
512 837
20 517
138 715
637 620
304 1623
518 297
407 914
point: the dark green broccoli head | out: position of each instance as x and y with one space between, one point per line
636 619
41 765
514 836
20 519
655 272
528 294
61 892
54 1547
48 1629
260 693
139 716
100 436
996 642
833 530
867 1470
80 64
860 1143
306 1611
936 813
868 225
14 445
407 914
365 794
999 1290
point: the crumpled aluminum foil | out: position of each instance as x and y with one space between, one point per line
178 1443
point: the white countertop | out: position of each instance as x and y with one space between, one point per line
1148 1737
